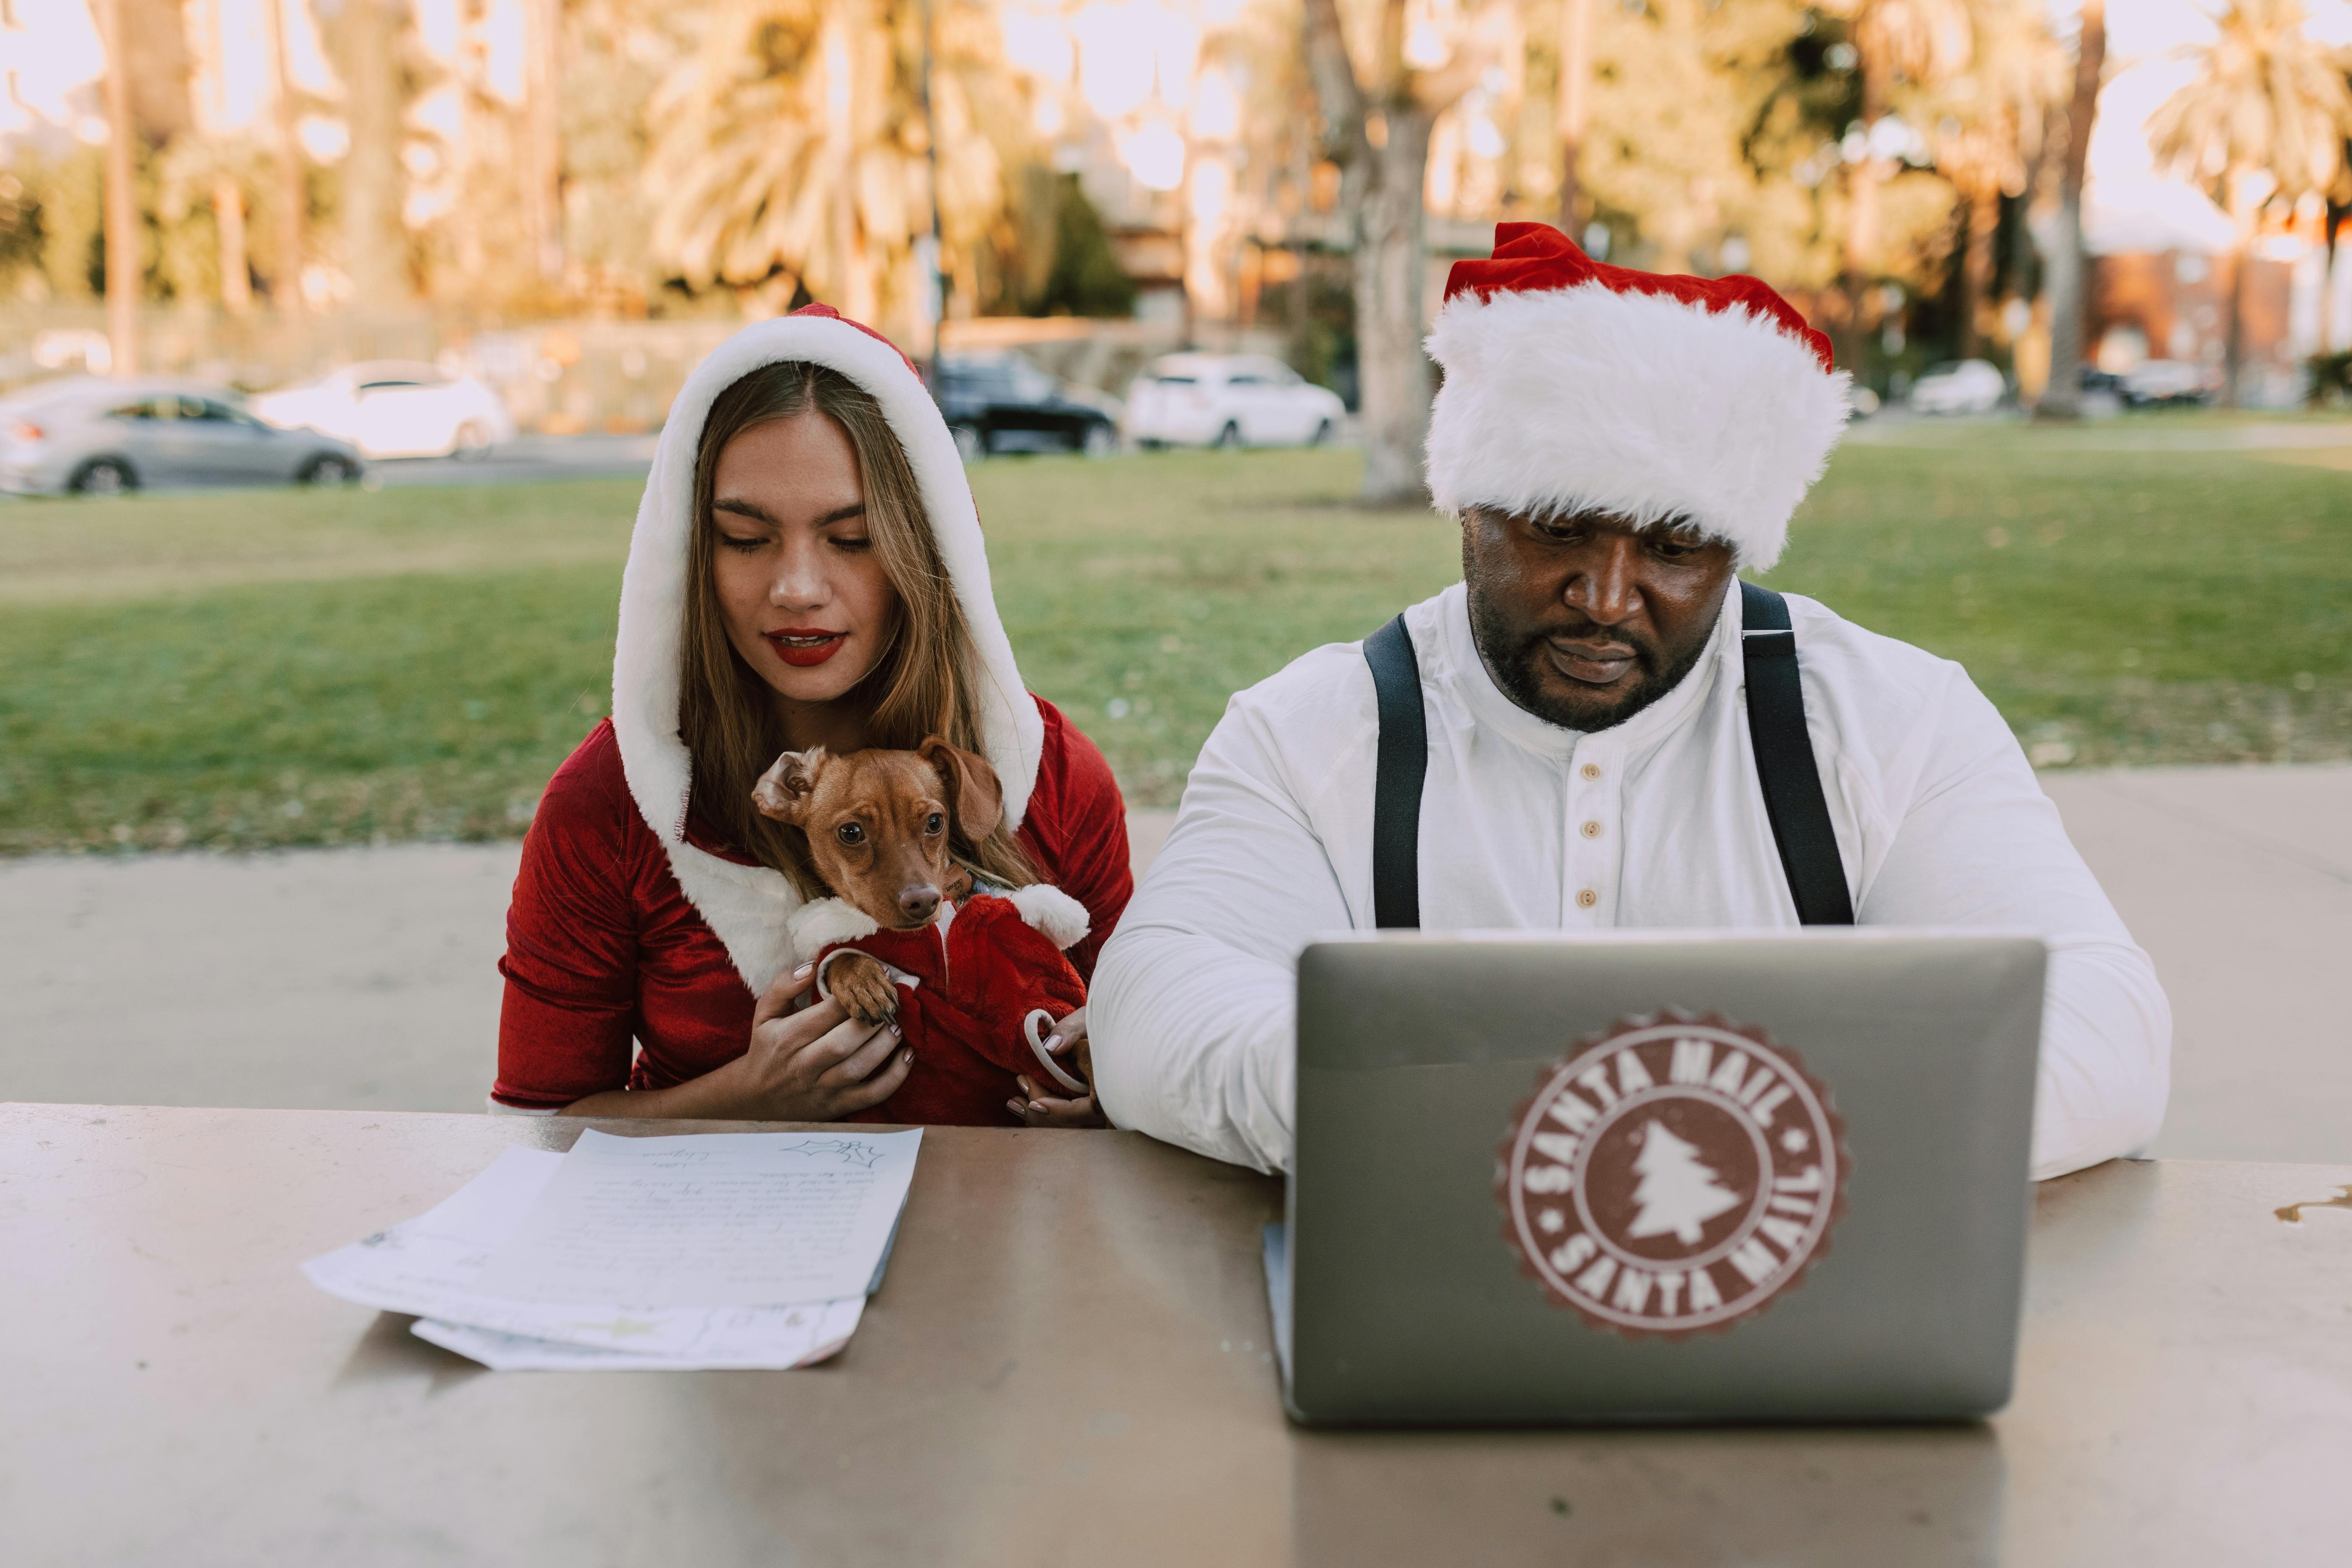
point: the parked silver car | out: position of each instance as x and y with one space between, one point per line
99 436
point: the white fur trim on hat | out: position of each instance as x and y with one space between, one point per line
1058 917
746 905
1588 399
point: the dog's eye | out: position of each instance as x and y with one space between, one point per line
935 823
850 833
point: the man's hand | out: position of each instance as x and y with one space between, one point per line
818 1064
1037 1108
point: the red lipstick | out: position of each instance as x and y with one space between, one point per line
803 646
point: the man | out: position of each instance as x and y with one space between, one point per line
1616 445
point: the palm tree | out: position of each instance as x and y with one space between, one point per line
789 150
2264 120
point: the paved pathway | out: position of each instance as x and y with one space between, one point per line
364 978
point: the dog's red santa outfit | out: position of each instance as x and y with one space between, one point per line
638 940
978 989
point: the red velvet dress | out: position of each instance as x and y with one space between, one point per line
603 949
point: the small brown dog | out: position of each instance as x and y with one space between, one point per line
972 976
877 829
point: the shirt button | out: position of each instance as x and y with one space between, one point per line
1589 771
1587 898
1591 830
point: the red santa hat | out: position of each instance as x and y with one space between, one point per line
1571 385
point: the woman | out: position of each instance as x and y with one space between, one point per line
807 570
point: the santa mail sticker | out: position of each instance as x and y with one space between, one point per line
1672 1175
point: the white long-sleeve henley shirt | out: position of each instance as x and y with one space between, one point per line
1658 822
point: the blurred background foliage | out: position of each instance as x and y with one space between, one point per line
1875 158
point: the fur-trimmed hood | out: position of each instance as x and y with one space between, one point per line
748 906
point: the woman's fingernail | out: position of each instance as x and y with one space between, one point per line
802 972
1053 1042
1037 1108
906 1056
896 1033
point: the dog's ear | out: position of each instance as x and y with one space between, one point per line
974 795
784 790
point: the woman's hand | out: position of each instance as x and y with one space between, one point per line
818 1064
1036 1108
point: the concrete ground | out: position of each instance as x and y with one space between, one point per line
365 979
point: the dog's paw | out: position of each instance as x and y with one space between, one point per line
863 987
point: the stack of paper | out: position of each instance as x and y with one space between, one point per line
718 1250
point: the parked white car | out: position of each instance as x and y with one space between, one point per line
2168 381
393 408
1229 400
1960 386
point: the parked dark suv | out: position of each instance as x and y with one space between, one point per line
1001 403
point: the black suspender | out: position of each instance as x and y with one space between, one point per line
1793 802
1403 762
1784 762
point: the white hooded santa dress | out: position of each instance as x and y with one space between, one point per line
637 942
1577 386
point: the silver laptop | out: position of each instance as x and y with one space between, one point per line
1646 1177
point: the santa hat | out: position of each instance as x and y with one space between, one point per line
1575 386
748 906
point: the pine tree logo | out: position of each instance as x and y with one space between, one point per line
1678 1193
1672 1175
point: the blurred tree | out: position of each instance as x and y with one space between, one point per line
1084 278
1380 86
66 202
293 201
368 40
1573 107
2068 270
1902 44
20 237
124 263
1701 123
617 52
789 150
542 169
208 190
2262 121
1987 133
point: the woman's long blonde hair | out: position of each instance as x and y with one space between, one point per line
921 686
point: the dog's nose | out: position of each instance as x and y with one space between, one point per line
918 903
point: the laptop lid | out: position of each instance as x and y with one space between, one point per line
1632 1176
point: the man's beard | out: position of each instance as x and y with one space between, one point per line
1515 657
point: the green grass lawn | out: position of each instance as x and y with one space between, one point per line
304 667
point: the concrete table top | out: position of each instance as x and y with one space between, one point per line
1068 1363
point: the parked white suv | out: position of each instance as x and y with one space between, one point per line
393 409
1229 400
